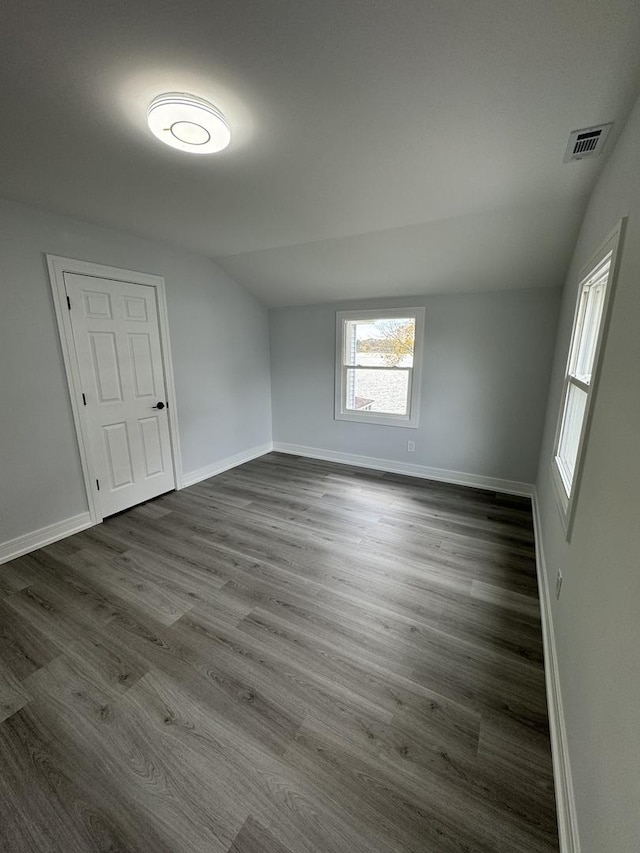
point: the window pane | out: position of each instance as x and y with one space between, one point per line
570 434
383 391
589 317
586 345
387 342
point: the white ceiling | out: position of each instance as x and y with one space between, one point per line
380 146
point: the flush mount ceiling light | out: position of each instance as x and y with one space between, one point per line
188 123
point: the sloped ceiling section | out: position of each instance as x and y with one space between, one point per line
379 146
510 248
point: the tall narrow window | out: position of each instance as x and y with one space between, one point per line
587 340
378 362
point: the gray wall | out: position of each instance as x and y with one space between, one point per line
484 384
220 342
596 621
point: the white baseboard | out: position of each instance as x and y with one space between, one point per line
565 800
459 478
45 536
225 464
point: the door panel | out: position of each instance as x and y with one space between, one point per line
142 366
118 450
117 341
97 306
106 367
135 309
151 445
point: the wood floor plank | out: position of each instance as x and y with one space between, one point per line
181 654
32 786
173 794
13 694
23 648
14 577
426 790
274 792
113 576
304 678
291 657
254 838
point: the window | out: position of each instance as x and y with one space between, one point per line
587 339
378 365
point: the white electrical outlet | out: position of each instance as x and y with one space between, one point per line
411 446
558 583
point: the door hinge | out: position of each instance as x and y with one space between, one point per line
84 399
68 303
98 484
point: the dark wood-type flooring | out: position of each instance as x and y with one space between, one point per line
291 657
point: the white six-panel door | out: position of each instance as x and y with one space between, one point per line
117 343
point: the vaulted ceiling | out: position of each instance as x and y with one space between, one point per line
379 147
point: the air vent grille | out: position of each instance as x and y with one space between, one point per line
587 142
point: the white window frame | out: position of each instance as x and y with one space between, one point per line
567 488
412 417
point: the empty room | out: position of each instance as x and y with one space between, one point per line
320 426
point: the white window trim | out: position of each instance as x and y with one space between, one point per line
409 420
567 503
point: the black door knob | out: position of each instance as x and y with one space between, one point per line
159 406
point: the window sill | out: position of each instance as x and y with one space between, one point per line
377 419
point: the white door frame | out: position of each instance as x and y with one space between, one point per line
58 266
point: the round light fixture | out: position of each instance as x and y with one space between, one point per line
188 123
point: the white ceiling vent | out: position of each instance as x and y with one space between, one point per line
587 142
